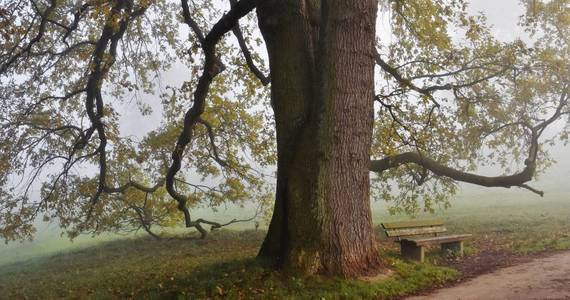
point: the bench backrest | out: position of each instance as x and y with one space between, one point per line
410 228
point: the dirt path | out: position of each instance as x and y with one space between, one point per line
542 278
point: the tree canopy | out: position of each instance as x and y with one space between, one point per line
449 97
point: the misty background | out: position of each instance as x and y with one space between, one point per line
555 182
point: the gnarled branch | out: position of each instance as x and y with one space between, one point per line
518 179
439 169
212 67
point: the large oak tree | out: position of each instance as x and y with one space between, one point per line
420 110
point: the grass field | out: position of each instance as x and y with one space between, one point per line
514 220
223 267
219 267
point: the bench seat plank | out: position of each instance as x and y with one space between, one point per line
414 231
411 224
438 240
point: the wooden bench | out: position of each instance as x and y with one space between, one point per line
413 236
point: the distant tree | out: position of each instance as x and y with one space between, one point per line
445 97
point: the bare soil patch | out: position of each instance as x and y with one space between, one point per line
488 258
544 276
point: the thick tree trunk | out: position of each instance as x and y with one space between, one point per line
322 72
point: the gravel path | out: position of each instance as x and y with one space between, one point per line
542 278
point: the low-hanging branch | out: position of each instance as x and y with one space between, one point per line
212 67
519 179
100 66
419 158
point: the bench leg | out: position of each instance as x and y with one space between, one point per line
454 247
412 251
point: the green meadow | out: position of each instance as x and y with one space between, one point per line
222 266
112 266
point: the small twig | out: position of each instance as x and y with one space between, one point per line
526 186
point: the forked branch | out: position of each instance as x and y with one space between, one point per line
518 179
212 67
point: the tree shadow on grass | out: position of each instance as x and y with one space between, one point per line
234 279
254 279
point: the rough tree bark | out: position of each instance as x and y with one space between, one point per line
321 57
